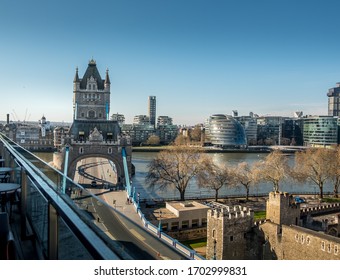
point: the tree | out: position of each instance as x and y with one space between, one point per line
273 169
334 170
313 165
244 174
174 167
213 176
182 140
195 133
153 140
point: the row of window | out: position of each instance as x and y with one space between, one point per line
327 247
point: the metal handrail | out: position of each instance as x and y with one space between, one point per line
93 243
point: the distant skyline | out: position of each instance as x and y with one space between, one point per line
197 57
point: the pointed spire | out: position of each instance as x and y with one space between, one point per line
107 79
76 77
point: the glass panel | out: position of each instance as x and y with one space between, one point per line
37 212
69 246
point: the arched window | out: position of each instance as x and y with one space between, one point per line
91 114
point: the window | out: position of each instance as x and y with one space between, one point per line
174 225
323 246
109 151
81 150
231 238
194 223
185 224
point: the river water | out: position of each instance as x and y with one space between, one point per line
142 159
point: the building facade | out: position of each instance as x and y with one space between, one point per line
334 101
152 110
224 131
91 95
320 131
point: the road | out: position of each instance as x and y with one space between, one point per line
123 224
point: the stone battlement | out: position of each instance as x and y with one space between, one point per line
230 212
321 209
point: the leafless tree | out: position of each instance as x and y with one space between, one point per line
214 176
334 169
153 140
273 169
244 174
174 167
313 165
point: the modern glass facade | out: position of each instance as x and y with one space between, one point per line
225 131
320 131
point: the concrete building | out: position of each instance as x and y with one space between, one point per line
119 118
334 101
269 130
139 133
152 110
141 120
320 131
164 120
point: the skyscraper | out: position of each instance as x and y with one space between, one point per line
152 110
334 101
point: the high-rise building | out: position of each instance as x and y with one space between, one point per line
334 101
152 110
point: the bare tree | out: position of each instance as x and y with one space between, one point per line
213 176
313 165
273 169
182 140
334 169
174 167
153 140
244 175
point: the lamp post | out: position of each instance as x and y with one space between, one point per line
160 222
138 198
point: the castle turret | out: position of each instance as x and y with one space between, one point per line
226 231
282 209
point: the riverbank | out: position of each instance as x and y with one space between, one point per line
253 149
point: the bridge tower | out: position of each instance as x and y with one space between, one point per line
92 134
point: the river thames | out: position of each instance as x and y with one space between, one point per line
142 159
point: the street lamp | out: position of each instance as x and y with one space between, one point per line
160 221
138 198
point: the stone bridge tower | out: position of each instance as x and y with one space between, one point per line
92 134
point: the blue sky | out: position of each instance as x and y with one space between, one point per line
198 57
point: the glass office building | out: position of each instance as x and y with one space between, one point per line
224 131
320 131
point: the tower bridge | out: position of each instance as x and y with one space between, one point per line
92 134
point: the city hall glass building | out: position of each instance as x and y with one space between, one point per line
224 131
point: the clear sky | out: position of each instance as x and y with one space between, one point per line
198 57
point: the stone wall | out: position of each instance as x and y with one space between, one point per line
227 231
188 234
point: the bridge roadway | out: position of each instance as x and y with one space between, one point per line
122 223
